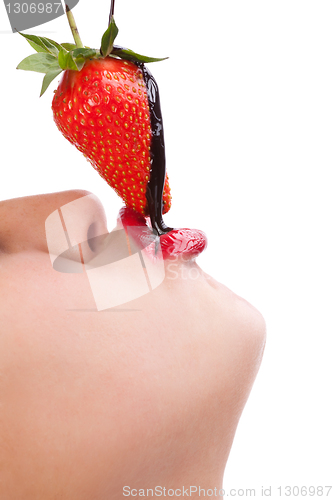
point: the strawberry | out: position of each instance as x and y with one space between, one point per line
104 108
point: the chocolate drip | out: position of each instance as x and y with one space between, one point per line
155 186
154 192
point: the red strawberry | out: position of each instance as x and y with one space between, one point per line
103 110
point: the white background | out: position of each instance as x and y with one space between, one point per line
250 162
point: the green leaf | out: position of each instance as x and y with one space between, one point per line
41 63
79 62
53 46
49 76
68 46
75 59
41 44
108 38
134 57
66 60
81 55
85 52
35 42
37 47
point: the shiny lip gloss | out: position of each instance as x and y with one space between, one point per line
188 243
184 242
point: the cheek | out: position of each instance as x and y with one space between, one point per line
74 407
33 294
51 443
49 385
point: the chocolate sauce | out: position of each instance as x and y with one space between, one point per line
154 191
155 186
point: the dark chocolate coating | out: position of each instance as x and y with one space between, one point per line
155 186
154 192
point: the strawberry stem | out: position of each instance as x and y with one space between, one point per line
75 31
111 11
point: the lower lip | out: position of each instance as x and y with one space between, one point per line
185 243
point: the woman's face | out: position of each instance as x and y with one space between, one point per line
94 398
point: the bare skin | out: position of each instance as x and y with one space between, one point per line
144 394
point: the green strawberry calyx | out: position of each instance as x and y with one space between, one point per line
52 58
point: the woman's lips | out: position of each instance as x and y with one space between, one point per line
184 242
